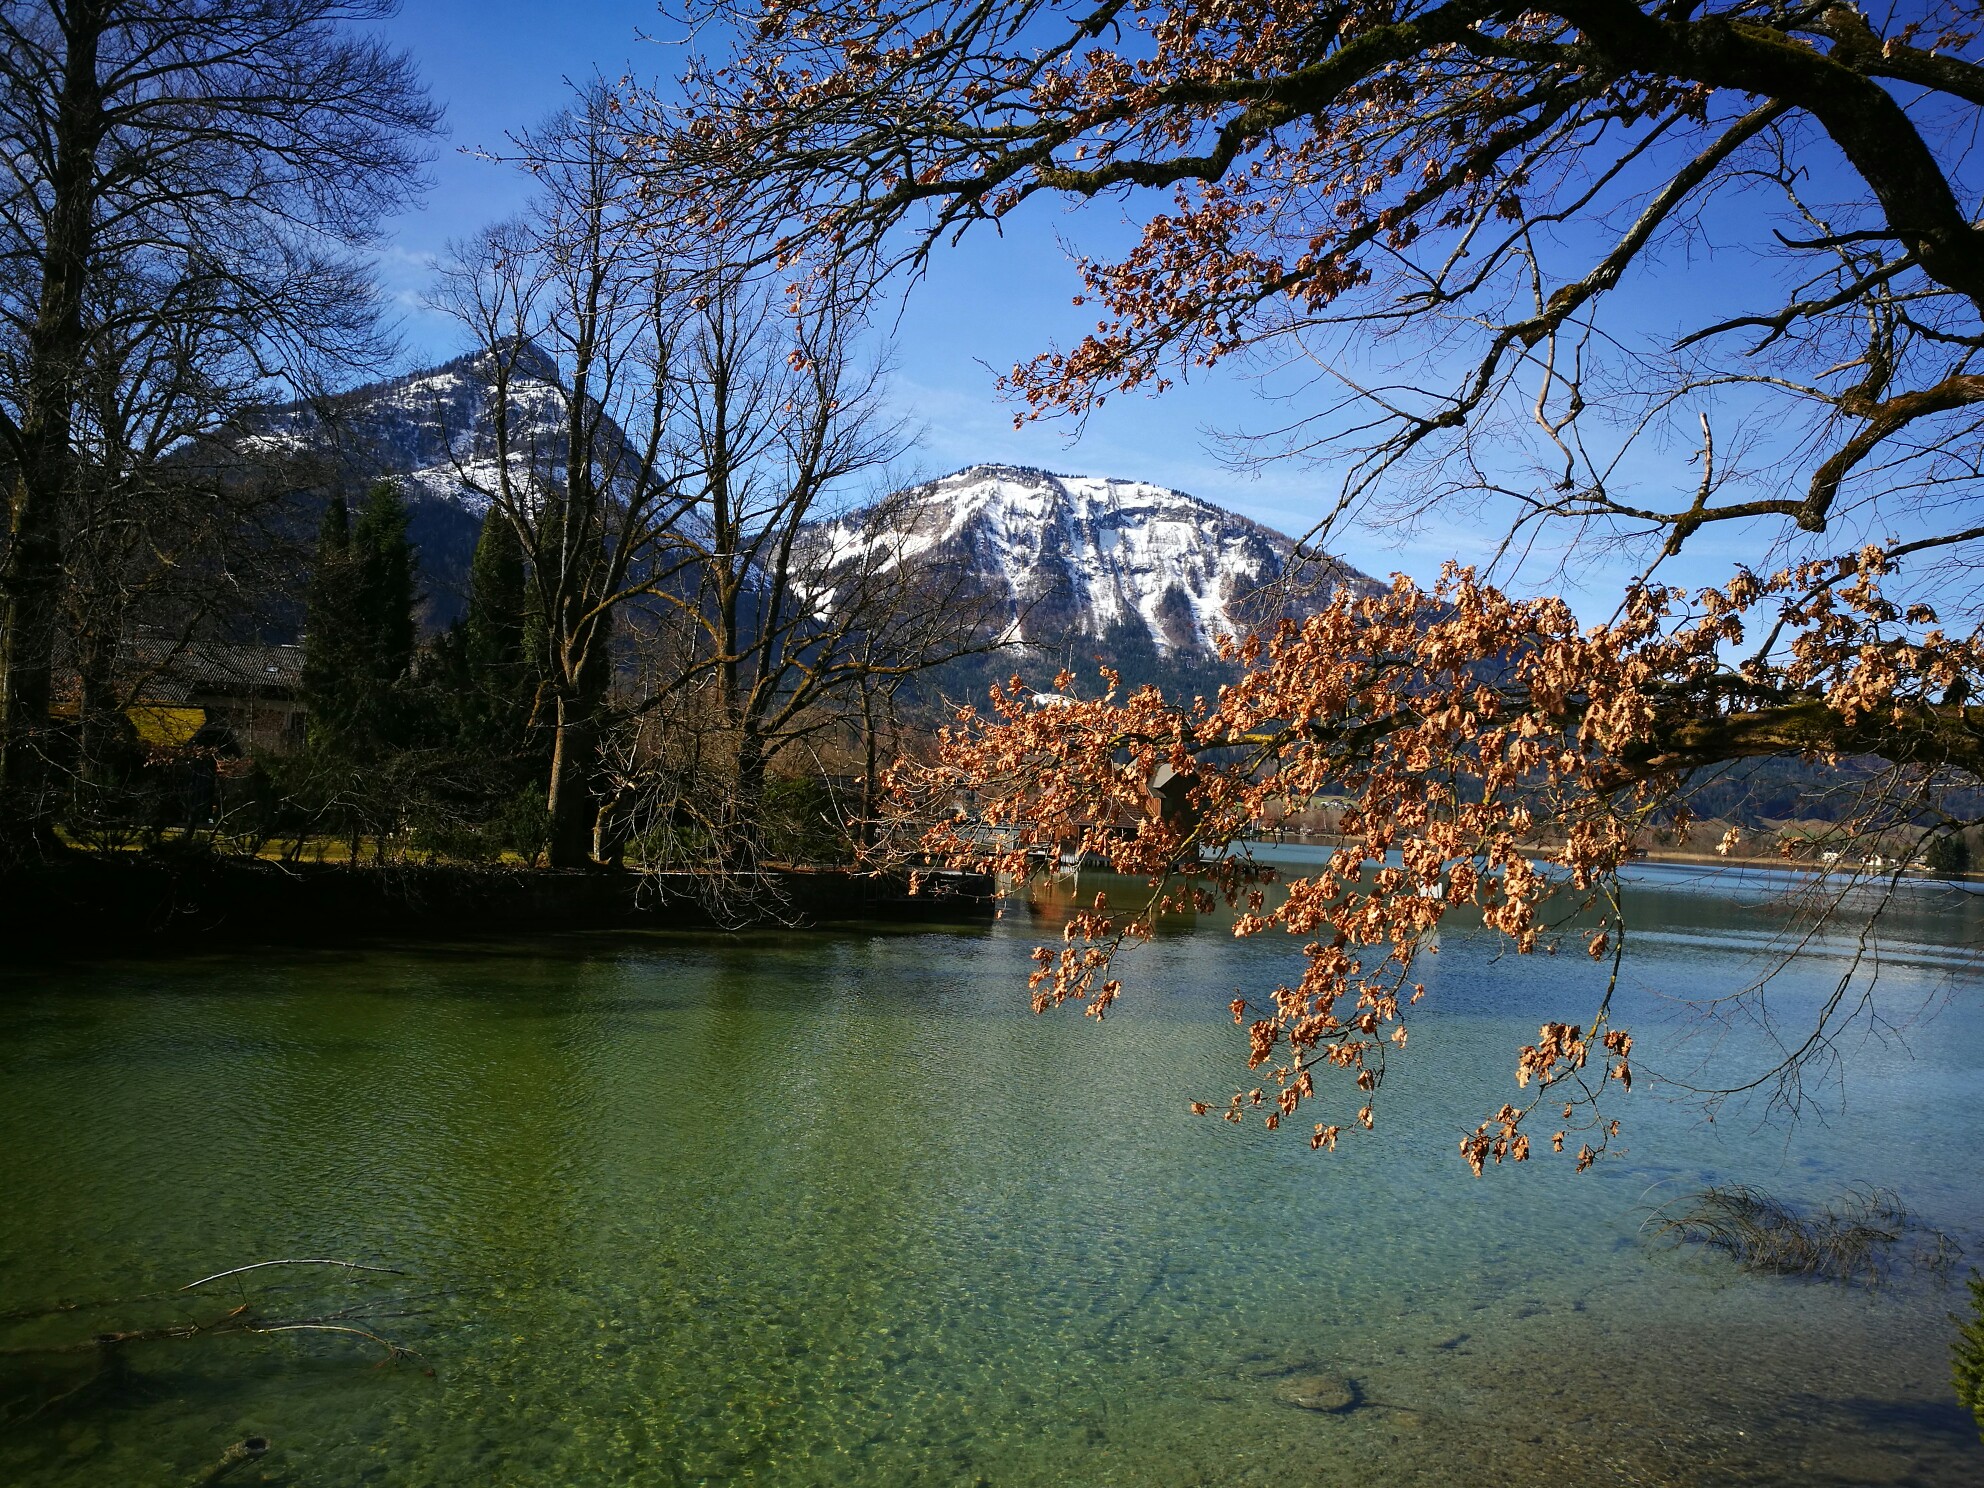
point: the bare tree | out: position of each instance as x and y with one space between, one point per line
702 423
230 153
805 618
772 412
159 530
570 307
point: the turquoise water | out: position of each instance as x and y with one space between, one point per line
834 1208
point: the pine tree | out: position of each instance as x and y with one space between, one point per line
331 639
500 683
1948 856
359 644
382 584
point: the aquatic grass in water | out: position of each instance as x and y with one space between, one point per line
1857 1239
1967 1354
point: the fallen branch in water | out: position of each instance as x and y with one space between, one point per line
260 1315
238 1321
260 1265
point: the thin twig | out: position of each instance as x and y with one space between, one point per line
258 1265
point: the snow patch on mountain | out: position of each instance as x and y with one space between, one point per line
432 428
1087 555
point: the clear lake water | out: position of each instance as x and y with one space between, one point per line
834 1208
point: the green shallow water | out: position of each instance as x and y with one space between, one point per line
786 1209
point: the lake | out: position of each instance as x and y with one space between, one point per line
787 1208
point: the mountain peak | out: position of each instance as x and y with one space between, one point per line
433 429
1078 555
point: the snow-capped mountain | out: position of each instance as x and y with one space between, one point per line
1082 556
433 430
1060 560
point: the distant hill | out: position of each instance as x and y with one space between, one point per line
1770 793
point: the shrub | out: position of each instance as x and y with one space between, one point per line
457 842
521 825
802 823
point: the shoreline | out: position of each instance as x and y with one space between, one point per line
1680 858
89 906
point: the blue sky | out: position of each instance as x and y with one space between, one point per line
498 65
501 65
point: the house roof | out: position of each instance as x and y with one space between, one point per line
180 671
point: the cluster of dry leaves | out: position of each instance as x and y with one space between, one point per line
1308 179
1463 727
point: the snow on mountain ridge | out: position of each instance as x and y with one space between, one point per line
433 430
1086 554
432 427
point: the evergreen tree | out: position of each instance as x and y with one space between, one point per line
500 682
382 584
1948 856
359 644
331 639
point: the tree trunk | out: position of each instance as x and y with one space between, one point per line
865 828
30 586
747 848
99 720
100 798
610 829
569 807
32 601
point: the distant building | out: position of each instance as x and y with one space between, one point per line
233 699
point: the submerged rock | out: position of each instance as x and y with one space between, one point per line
1331 1394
